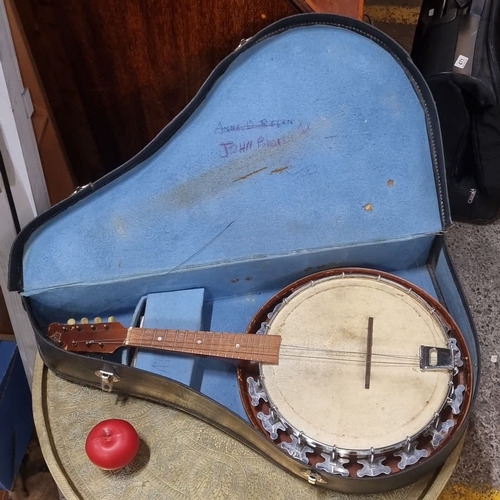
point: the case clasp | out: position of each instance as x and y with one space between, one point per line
107 379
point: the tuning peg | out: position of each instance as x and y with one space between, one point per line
71 321
84 321
97 319
111 319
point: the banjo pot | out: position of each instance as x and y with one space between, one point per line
374 376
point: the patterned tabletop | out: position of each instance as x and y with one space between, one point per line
179 457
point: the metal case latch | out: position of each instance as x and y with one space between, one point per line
107 380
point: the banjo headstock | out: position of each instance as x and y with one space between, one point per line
85 337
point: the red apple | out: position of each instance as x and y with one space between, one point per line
112 444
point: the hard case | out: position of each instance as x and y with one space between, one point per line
314 145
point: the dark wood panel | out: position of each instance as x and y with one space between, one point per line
350 8
58 178
117 72
54 65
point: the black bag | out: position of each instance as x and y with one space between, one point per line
457 47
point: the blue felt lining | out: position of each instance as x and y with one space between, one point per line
230 279
313 139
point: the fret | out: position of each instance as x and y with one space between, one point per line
129 335
153 337
220 343
236 341
172 339
246 347
225 343
184 341
243 343
214 344
199 343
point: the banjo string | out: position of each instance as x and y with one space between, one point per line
351 360
290 347
284 347
298 352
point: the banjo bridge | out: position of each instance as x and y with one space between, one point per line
436 358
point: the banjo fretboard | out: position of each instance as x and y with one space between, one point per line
240 346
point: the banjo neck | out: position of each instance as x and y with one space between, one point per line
237 346
106 338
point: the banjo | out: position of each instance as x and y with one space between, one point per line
355 372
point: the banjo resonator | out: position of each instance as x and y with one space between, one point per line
374 377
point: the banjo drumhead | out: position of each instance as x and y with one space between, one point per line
319 385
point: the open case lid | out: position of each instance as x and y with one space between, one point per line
317 133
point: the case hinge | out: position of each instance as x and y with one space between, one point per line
107 379
81 188
313 477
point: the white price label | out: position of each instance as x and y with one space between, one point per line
461 62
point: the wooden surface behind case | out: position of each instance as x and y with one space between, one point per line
58 177
6 332
350 8
116 73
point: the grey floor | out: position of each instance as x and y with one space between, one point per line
476 255
475 251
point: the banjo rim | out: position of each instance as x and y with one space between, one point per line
443 316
